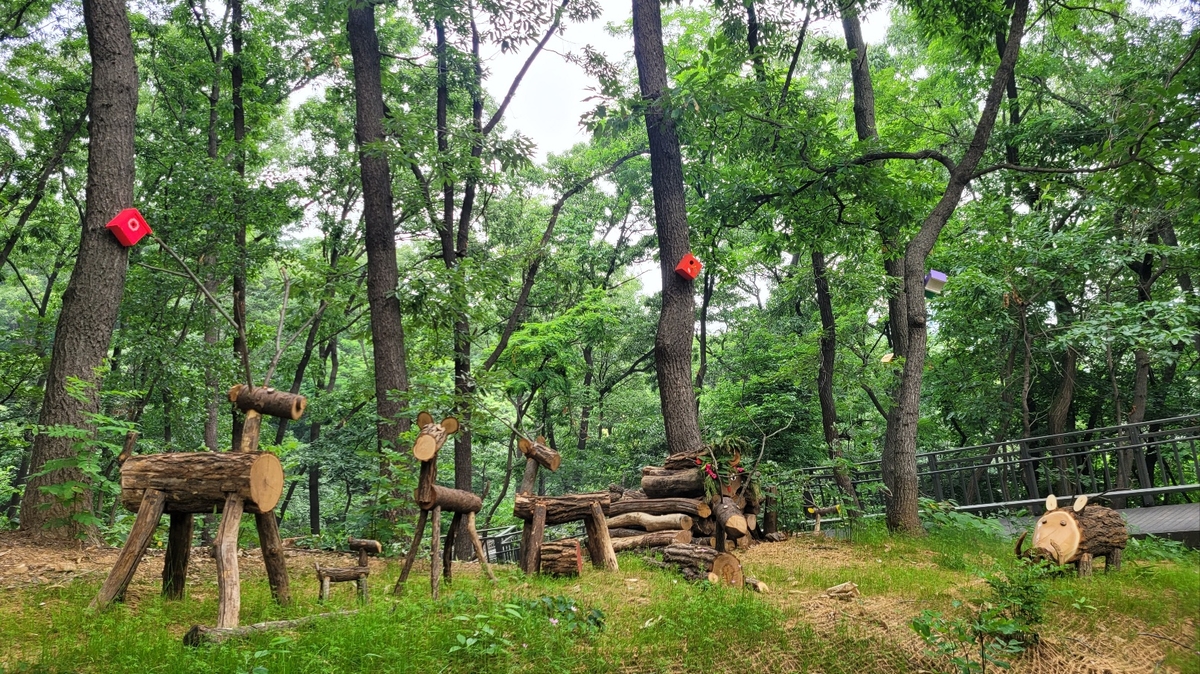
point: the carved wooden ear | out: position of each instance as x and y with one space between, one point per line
541 440
424 419
1079 503
1051 503
524 445
450 425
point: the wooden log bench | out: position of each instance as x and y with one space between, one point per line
328 574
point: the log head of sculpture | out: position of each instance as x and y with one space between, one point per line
432 436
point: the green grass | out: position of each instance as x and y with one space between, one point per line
656 623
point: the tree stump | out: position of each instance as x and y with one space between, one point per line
562 558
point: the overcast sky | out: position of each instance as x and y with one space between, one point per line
552 96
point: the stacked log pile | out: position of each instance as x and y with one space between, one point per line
673 507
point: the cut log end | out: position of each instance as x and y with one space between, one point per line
425 448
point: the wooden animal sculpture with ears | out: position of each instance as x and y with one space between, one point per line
1076 534
432 436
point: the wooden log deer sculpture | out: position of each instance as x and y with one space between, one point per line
433 499
1077 534
244 480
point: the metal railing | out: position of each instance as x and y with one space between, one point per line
1145 464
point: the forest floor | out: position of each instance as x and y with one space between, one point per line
1144 619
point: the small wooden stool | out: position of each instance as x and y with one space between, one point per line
358 574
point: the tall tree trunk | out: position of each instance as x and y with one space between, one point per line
585 412
752 41
93 297
901 511
1059 416
676 325
860 74
387 329
828 348
239 137
212 406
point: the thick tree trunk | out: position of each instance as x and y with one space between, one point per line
198 482
387 328
676 325
901 504
93 296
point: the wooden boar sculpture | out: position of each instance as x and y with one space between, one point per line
1077 534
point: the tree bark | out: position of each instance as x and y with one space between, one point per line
860 74
731 519
179 550
661 506
561 509
828 348
236 76
562 558
901 502
387 328
93 296
648 522
676 483
599 543
727 567
656 539
676 325
197 482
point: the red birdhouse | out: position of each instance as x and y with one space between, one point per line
129 227
689 267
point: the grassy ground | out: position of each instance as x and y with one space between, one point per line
1144 619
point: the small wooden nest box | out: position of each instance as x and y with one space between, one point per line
934 282
689 267
129 227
